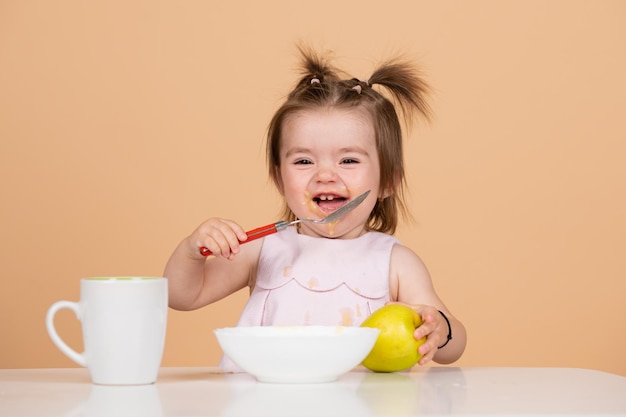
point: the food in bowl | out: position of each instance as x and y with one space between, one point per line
297 354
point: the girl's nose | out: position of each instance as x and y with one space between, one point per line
326 174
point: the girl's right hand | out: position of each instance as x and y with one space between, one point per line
220 236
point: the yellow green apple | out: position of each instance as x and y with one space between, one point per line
396 348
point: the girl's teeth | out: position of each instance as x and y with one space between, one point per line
326 197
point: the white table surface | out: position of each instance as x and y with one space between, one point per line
423 392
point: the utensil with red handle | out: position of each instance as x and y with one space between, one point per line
278 226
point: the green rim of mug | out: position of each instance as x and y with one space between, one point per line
121 278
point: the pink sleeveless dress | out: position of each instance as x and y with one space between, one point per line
303 280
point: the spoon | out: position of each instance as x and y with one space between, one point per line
278 226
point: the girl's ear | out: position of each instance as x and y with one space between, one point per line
391 189
386 193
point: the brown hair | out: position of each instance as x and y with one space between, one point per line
322 85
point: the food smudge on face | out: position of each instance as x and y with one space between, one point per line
311 206
331 227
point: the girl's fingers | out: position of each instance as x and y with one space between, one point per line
238 230
428 329
222 237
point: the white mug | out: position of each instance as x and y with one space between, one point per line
123 324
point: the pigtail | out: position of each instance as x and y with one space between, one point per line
407 88
406 100
317 74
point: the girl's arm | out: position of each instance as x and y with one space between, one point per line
195 280
410 284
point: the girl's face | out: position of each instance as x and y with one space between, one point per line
328 156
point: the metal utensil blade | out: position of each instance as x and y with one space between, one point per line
345 209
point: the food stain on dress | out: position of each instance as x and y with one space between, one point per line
287 271
357 311
346 317
312 283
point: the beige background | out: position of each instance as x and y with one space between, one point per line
123 125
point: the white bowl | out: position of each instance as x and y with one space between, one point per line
297 354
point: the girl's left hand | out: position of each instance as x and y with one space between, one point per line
434 328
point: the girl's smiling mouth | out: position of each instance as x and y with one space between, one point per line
329 202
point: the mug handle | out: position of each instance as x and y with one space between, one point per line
68 351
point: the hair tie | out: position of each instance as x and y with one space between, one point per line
449 337
315 80
357 88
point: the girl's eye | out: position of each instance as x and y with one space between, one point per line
349 161
303 162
